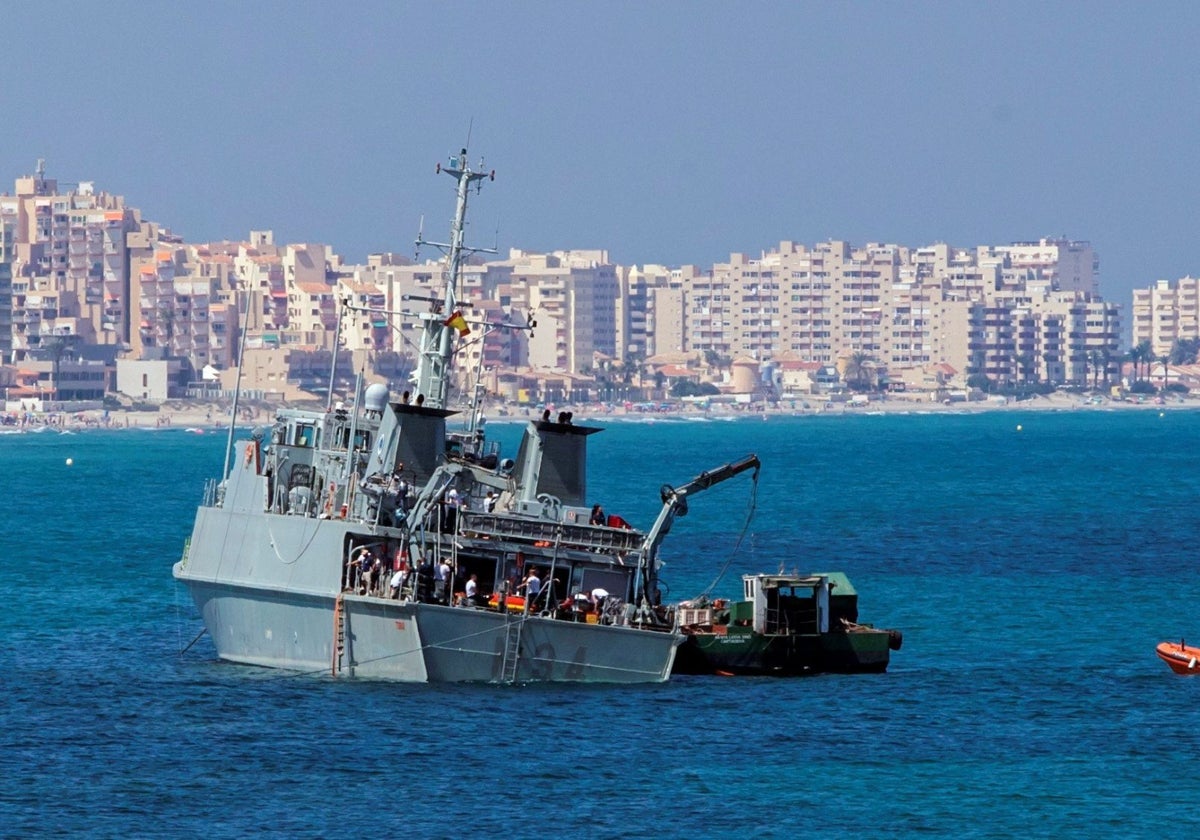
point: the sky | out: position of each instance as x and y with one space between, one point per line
664 132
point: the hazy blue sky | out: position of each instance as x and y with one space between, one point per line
665 132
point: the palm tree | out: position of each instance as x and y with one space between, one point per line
632 369
1094 358
1135 357
1145 354
1184 351
858 367
1106 361
1048 359
714 359
1163 361
1025 364
977 363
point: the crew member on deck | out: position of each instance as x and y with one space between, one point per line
531 587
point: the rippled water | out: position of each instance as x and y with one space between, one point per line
1031 571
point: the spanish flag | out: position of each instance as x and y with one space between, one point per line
459 323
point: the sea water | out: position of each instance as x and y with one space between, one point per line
1031 559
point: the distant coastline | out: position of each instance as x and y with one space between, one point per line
201 418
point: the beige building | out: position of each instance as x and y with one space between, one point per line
1015 313
572 295
70 255
149 380
650 311
82 266
1062 264
1165 313
8 226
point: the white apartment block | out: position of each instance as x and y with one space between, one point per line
1012 313
1165 313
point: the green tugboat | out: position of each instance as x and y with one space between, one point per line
786 625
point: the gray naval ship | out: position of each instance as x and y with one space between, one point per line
371 540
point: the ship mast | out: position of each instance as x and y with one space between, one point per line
432 376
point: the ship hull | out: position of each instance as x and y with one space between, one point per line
410 642
759 654
269 595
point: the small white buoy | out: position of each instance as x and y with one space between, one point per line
70 461
1162 414
1018 427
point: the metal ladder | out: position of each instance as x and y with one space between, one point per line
512 649
339 635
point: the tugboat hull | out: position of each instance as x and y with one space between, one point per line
787 625
753 654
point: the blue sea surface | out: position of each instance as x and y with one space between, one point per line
1031 559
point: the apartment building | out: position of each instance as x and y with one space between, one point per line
182 306
80 265
1063 264
8 225
708 309
364 323
572 295
665 316
1167 312
650 310
818 304
71 246
635 298
405 289
1012 313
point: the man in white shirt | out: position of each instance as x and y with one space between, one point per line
441 581
533 586
397 582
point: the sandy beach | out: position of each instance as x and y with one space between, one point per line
211 417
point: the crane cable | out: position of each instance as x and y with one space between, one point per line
745 527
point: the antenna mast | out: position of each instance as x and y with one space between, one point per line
437 350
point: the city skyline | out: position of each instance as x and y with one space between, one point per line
664 133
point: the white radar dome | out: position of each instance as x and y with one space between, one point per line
376 398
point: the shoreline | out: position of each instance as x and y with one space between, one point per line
202 419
